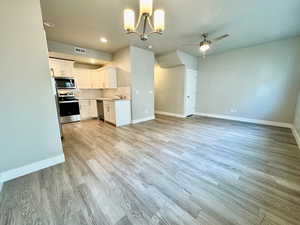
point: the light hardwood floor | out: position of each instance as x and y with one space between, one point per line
168 171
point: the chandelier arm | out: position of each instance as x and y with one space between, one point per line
138 23
134 32
150 24
146 18
155 32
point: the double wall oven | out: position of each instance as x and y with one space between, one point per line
68 104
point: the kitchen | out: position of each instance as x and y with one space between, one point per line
89 91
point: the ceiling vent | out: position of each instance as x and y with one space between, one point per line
81 51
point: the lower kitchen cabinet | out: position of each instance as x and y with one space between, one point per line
117 112
88 109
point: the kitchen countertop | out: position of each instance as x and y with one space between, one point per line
104 99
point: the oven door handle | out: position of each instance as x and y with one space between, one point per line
68 101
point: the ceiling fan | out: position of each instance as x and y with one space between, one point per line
205 44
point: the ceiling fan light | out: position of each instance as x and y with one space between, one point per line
159 20
146 7
129 20
204 47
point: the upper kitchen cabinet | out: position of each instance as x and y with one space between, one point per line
61 68
83 78
107 77
103 78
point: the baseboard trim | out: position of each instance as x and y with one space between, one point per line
241 119
296 135
27 169
143 120
170 114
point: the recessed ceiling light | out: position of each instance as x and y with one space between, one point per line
150 46
103 40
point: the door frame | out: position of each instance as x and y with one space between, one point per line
185 91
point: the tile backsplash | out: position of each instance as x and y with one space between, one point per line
104 93
120 91
88 94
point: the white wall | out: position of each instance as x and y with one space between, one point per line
259 82
58 49
142 72
177 58
297 116
29 130
136 70
170 75
122 60
169 89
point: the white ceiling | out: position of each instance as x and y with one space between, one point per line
249 22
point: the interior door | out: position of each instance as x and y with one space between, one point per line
190 92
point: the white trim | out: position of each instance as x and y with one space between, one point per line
241 119
170 114
296 135
143 120
27 169
1 183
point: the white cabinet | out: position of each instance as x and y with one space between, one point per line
88 109
117 112
106 77
83 78
93 109
61 68
96 80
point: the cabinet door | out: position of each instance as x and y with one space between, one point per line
83 78
54 67
93 113
112 110
61 68
110 78
109 111
96 79
106 111
84 109
66 68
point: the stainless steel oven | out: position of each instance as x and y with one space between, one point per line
68 108
65 83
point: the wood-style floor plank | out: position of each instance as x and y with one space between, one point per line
169 171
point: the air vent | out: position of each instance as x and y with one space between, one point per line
81 51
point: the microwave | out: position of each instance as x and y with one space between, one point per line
65 83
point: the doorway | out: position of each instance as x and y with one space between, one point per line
190 92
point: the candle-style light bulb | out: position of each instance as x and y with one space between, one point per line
129 20
159 20
146 7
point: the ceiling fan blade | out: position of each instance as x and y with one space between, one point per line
220 38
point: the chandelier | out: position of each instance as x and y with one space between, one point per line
144 26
